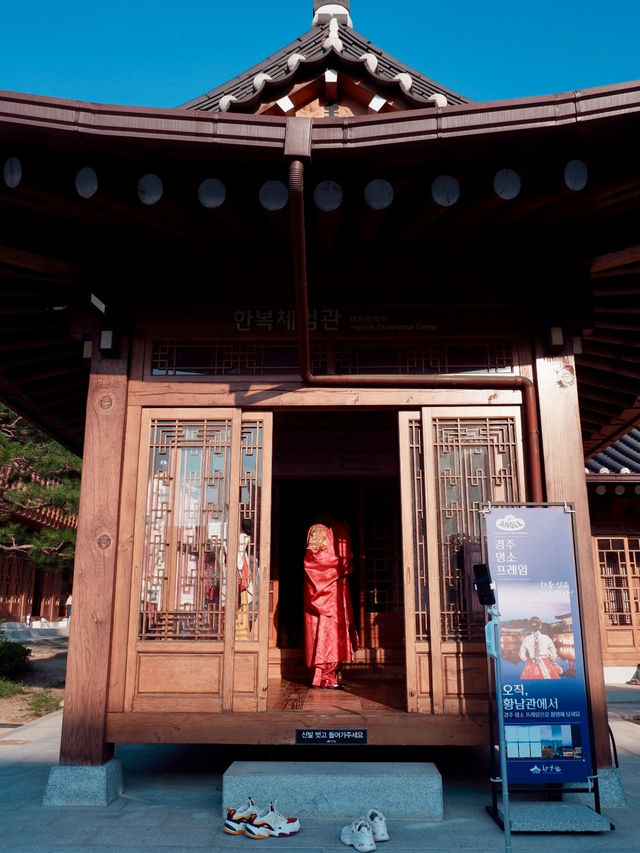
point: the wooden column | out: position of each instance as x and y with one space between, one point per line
565 480
85 704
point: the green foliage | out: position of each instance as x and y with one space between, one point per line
14 658
9 689
30 453
44 703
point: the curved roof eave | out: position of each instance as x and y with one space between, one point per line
22 113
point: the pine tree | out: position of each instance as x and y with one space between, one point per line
39 494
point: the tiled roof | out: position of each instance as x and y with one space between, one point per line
328 45
621 457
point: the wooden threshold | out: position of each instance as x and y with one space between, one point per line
278 728
359 696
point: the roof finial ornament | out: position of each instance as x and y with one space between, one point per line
324 11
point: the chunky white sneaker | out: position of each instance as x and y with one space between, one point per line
378 824
359 835
237 819
270 822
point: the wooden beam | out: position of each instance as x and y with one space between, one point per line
615 260
38 263
564 467
272 727
84 719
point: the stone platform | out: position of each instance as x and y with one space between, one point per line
337 790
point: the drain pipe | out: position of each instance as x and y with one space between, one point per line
493 383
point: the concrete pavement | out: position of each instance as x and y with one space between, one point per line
172 800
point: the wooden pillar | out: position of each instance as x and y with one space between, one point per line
85 704
565 480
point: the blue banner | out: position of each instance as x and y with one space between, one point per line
532 562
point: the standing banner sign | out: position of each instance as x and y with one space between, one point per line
547 725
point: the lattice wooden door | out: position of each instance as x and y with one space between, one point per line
200 600
452 462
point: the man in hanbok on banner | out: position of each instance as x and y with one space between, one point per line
329 625
539 654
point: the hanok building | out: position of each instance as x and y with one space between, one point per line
613 486
331 275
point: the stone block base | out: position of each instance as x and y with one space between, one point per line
84 786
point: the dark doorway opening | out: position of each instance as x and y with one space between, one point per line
347 461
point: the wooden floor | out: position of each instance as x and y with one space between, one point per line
359 696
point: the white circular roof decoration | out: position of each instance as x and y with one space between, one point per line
445 191
294 60
378 194
12 172
576 175
226 101
371 61
212 193
150 189
507 184
405 80
328 196
260 79
274 195
86 182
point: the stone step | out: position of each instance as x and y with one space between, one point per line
24 633
335 790
554 817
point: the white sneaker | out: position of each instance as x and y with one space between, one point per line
270 822
237 819
378 825
359 835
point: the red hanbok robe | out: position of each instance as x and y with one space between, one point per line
329 626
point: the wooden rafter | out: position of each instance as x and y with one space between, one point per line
33 262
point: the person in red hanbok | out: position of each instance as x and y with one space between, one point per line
538 651
329 626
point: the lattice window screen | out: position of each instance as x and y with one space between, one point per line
189 503
476 462
619 563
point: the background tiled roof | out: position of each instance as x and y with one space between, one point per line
622 454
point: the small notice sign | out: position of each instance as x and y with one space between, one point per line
332 737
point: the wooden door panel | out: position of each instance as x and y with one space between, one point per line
200 588
453 462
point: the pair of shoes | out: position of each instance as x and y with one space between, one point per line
247 820
364 832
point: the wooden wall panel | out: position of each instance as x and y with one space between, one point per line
179 673
620 638
465 675
245 673
423 662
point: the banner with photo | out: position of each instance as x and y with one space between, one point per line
532 561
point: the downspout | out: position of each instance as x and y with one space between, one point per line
521 383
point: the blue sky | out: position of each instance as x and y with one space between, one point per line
165 52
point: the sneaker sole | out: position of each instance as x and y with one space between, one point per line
350 841
268 833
